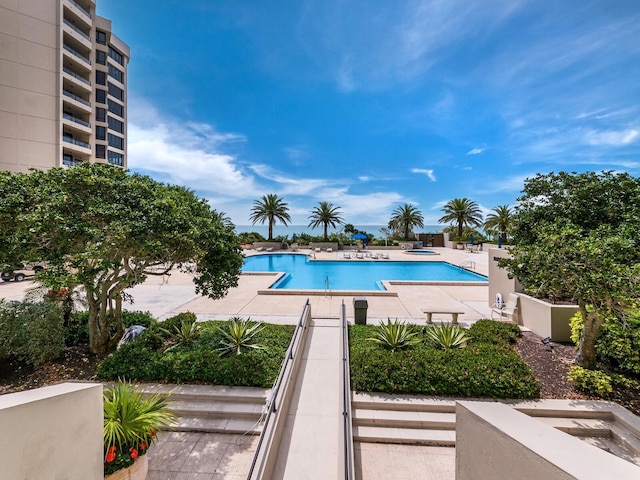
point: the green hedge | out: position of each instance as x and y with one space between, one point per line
76 331
145 359
488 331
32 332
487 367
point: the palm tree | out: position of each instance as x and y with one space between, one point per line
405 218
462 211
325 214
269 208
223 218
500 220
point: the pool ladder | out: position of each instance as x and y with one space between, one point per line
469 264
326 285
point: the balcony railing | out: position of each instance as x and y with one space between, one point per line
76 29
75 75
76 120
80 143
75 97
80 7
71 162
77 54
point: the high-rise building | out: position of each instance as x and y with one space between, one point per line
63 86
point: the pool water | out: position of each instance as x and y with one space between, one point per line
305 274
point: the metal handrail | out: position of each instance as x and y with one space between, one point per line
271 406
67 93
75 75
80 7
468 263
76 29
77 54
76 120
349 470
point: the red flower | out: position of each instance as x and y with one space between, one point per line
134 452
111 454
152 433
142 446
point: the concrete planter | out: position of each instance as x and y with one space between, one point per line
137 471
546 319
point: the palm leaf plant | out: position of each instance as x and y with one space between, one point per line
395 335
131 423
187 332
446 336
238 335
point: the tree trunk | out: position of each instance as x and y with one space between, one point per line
459 230
98 325
592 321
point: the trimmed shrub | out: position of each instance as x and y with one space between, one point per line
489 331
32 332
199 361
593 382
619 344
478 370
76 330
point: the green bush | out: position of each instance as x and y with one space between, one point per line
478 370
489 331
619 344
76 330
32 332
199 361
577 325
590 381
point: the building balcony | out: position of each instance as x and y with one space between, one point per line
77 7
74 54
77 147
76 123
72 80
77 34
76 101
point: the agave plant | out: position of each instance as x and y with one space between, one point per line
395 335
131 423
238 335
187 332
446 336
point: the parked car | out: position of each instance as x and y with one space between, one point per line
21 272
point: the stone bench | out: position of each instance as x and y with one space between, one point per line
441 311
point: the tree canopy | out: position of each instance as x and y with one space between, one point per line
105 230
405 217
500 220
576 238
463 212
325 214
270 208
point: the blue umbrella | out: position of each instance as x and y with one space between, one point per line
499 240
359 236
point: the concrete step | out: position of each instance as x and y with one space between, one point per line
412 436
214 409
209 393
580 427
218 425
404 419
399 403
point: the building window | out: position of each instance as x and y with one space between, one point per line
115 73
101 114
116 141
101 151
101 133
101 37
116 158
116 125
101 57
116 108
101 78
101 96
116 92
117 56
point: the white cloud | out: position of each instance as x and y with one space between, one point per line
475 151
428 172
612 137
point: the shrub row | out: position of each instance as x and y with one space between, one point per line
32 332
145 358
76 331
487 367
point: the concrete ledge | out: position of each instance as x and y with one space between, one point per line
496 441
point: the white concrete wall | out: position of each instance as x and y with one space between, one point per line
546 319
494 441
499 281
52 432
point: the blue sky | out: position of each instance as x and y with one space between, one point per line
373 104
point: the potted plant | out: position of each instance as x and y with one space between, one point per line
131 423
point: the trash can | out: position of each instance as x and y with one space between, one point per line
360 310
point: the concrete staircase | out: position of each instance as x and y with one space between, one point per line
431 421
207 408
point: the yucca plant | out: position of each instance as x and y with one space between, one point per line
239 335
395 335
131 423
446 336
187 332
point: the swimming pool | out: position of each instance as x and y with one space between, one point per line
420 252
305 274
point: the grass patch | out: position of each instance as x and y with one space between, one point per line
199 361
487 367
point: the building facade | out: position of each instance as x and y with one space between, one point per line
63 86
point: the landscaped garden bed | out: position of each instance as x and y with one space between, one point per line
487 366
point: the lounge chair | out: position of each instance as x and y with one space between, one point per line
269 249
329 250
374 255
507 310
346 255
259 249
384 255
317 250
359 255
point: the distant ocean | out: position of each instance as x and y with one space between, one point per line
289 230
